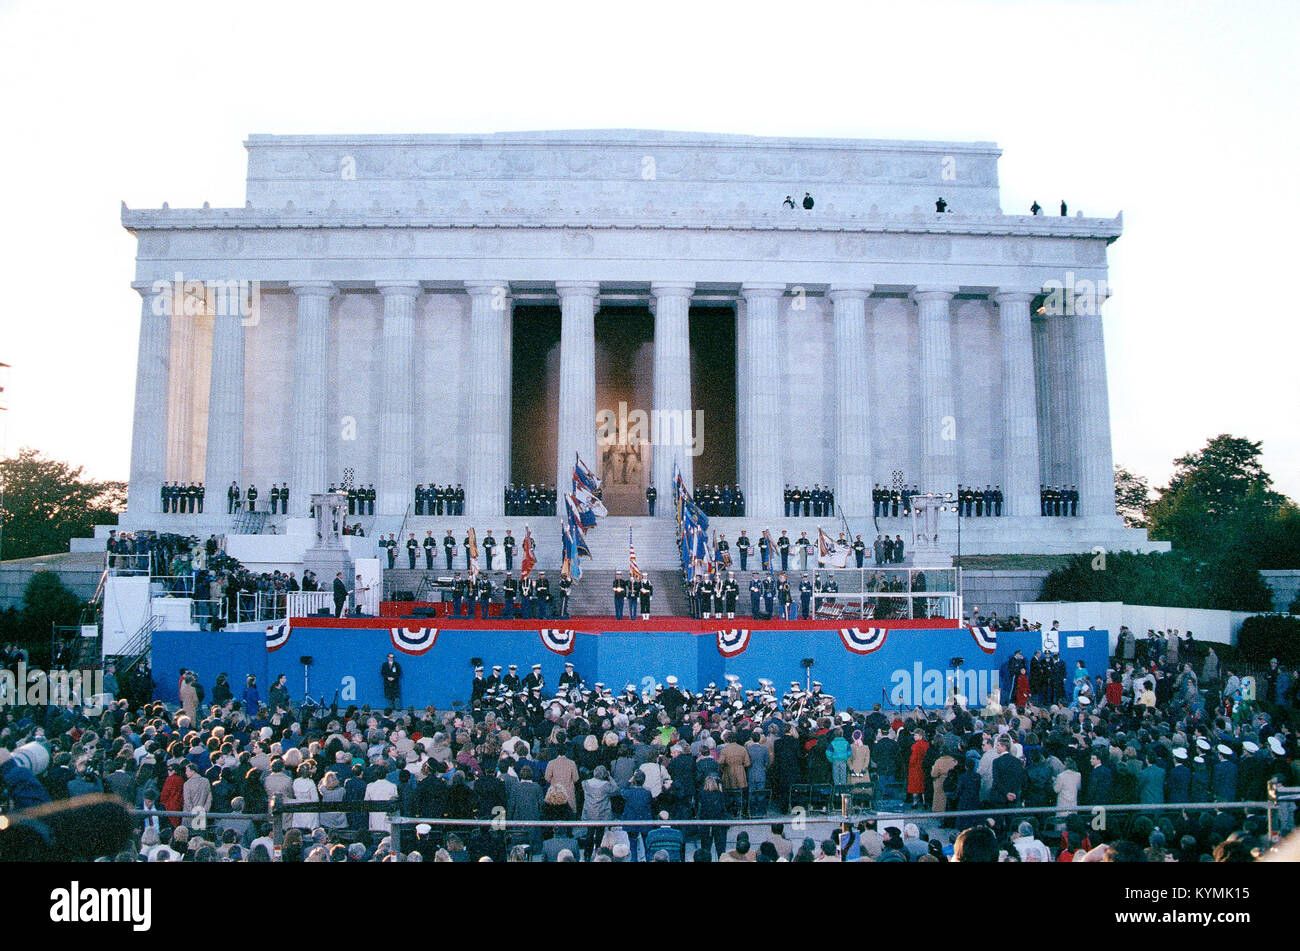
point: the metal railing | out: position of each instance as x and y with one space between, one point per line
308 603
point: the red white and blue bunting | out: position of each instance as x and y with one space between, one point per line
413 640
863 641
277 636
558 640
733 642
985 638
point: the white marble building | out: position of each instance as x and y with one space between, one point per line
382 280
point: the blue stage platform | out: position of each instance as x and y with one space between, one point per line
899 663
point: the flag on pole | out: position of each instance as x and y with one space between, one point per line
526 566
829 553
584 476
473 555
581 514
570 564
589 503
633 571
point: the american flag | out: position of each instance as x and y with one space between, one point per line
632 569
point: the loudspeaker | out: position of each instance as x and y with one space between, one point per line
403 595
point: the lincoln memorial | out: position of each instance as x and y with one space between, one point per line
477 309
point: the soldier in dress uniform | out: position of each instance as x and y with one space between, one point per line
786 598
738 502
620 594
570 679
534 679
511 681
528 596
723 549
478 687
232 498
647 594
565 585
651 494
542 595
449 547
251 495
859 550
804 544
284 497
419 499
509 591
769 596
765 551
787 498
430 548
1074 500
755 593
489 548
412 546
699 596
459 592
717 594
783 549
895 498
508 547
730 591
275 499
805 597
875 501
465 543
997 500
742 548
483 589
390 543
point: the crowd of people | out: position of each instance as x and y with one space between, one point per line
1154 730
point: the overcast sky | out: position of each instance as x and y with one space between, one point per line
1181 114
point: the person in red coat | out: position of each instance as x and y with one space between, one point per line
172 797
915 769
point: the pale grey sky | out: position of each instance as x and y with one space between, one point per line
1182 114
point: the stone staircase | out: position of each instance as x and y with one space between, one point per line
594 594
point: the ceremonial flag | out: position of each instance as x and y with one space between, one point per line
584 476
632 568
589 503
526 566
830 553
571 564
473 555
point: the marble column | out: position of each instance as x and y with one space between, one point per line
762 449
396 483
577 410
152 382
741 397
310 406
225 457
672 390
489 392
1019 404
1043 392
180 404
851 464
1064 387
1095 466
938 411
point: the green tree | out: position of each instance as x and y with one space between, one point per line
1132 497
47 602
1165 579
1220 499
48 502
